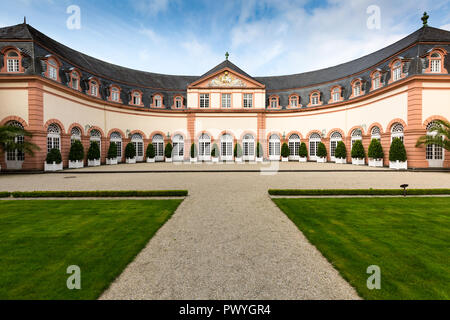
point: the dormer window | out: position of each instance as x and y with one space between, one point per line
435 62
115 94
396 71
157 101
315 99
357 89
74 80
274 102
376 80
178 102
52 69
335 94
93 88
12 61
293 101
136 98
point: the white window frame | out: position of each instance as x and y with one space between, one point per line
136 98
178 148
226 100
336 95
334 139
178 102
115 93
375 133
158 144
13 62
94 88
138 142
75 135
274 147
294 146
204 100
204 147
226 147
397 71
397 131
15 158
434 154
315 99
248 147
52 69
116 137
314 140
96 136
356 135
53 137
158 101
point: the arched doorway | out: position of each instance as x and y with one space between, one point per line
204 150
434 152
274 147
138 143
294 147
178 148
158 144
226 148
248 144
314 140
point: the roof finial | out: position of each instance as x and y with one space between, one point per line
24 20
425 19
227 55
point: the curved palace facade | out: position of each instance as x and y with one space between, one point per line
61 95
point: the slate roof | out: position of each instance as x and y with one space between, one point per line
179 82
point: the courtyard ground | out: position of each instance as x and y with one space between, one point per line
227 240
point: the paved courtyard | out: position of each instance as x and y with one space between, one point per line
227 240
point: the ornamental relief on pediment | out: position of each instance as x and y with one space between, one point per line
226 80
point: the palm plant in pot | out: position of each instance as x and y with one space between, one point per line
358 153
76 155
112 154
303 153
150 153
130 153
194 152
397 155
14 138
321 154
237 153
284 152
215 154
340 154
93 155
375 153
168 152
53 161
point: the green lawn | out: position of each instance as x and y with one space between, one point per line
408 238
41 238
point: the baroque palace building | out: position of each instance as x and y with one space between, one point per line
61 95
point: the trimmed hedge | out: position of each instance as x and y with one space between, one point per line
285 150
112 150
321 150
354 192
358 150
259 150
168 150
375 150
130 151
193 150
397 151
5 194
74 194
303 152
237 150
76 152
94 151
54 155
341 150
215 151
150 152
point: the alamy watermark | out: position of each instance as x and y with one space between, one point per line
74 280
374 19
374 281
74 20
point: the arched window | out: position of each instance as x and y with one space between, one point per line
274 102
178 102
274 147
178 148
314 140
357 89
96 136
53 137
294 147
204 143
115 94
117 139
434 152
75 135
226 147
136 98
138 143
376 133
75 80
293 101
158 144
52 69
93 84
13 59
248 144
335 138
315 99
15 158
157 101
356 135
435 62
336 94
397 131
396 71
376 80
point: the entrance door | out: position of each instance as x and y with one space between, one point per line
226 143
294 147
204 143
178 148
158 144
248 144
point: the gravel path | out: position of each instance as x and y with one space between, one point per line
228 240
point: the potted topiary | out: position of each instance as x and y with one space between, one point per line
168 152
112 154
237 153
53 161
215 154
375 154
150 153
259 152
193 153
76 155
93 155
130 153
340 154
358 153
284 152
303 153
397 155
321 155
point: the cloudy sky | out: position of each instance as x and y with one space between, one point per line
264 37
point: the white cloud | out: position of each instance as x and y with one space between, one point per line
445 27
151 7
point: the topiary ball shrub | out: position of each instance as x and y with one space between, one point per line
259 150
76 152
150 152
397 152
375 150
341 150
358 150
54 155
130 151
303 152
94 151
112 150
321 150
168 150
237 150
193 150
284 150
214 151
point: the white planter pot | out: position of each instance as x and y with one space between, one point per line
358 161
259 159
76 164
131 160
321 160
94 163
375 162
399 165
215 159
193 160
283 159
302 159
340 160
53 166
111 161
150 160
168 160
238 160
